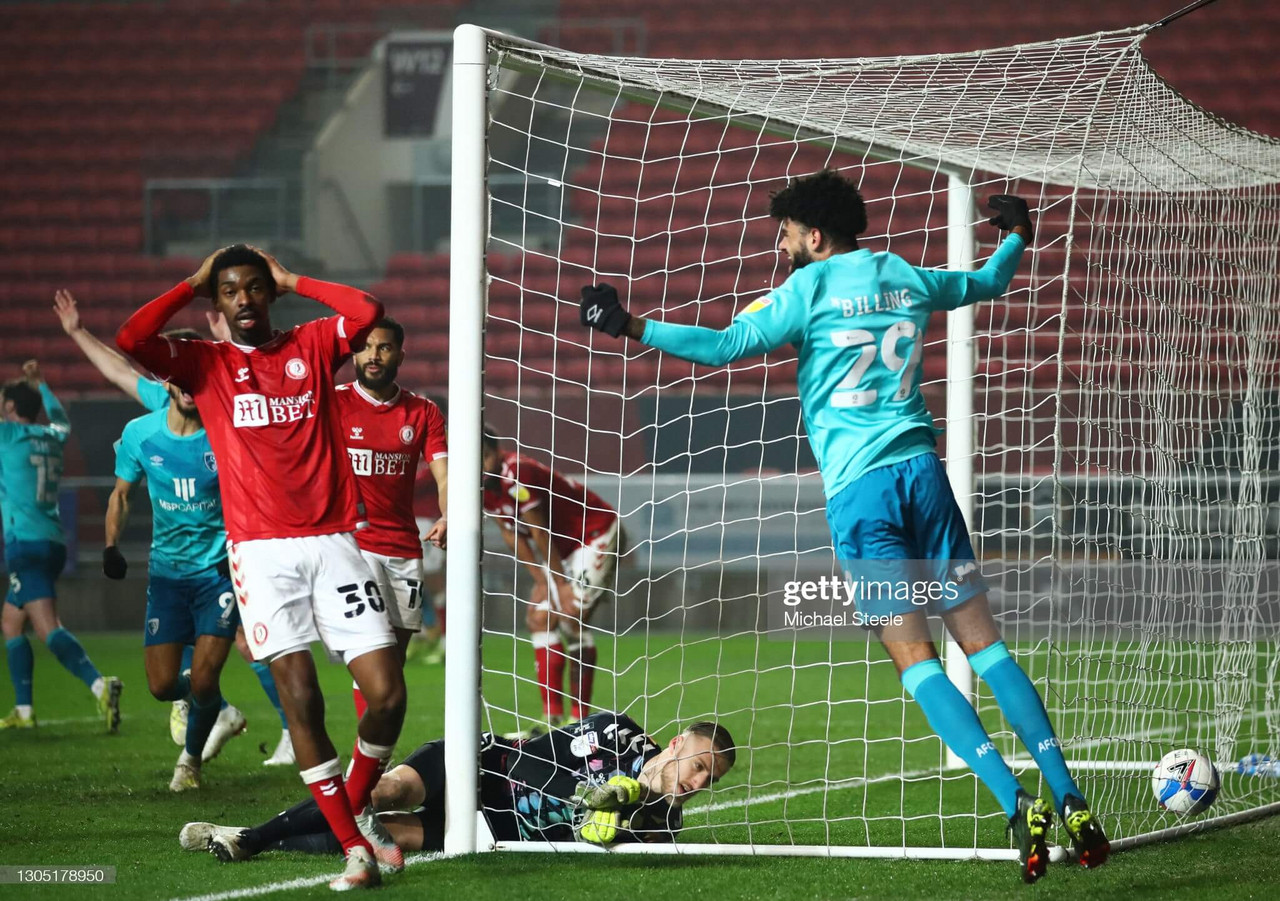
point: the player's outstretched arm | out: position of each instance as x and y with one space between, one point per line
601 310
958 289
110 362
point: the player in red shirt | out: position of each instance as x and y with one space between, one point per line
290 503
568 539
387 431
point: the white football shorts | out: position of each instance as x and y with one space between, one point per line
590 568
293 591
400 581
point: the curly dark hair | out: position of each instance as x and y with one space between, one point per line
826 201
239 255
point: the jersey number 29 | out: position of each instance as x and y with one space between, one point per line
847 393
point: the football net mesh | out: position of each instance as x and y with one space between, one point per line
1124 417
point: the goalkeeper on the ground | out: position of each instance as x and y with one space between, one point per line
857 320
601 780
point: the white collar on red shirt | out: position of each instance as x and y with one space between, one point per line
395 398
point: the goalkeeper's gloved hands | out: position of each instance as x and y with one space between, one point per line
620 791
114 566
1011 211
601 827
601 310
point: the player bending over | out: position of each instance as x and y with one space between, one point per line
34 547
567 538
188 540
387 431
857 319
289 499
601 780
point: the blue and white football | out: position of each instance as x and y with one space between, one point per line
1185 781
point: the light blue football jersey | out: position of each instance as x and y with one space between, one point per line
187 533
31 474
857 321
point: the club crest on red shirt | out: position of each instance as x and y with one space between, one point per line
295 368
406 434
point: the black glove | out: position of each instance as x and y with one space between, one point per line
601 310
224 568
1011 211
114 566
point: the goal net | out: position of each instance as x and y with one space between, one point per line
1111 423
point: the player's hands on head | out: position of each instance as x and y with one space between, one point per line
618 792
1011 214
31 372
601 827
601 310
64 304
285 280
199 282
114 566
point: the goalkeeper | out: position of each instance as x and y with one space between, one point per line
857 320
601 780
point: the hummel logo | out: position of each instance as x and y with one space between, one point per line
357 433
329 789
243 374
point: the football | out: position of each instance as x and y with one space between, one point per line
1185 781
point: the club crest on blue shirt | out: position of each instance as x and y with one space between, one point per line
210 462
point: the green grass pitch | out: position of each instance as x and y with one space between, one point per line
72 795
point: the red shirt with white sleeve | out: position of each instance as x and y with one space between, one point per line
576 514
269 411
384 441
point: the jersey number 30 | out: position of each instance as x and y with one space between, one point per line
847 393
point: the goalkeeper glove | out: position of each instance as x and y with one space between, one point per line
620 791
114 566
601 310
601 828
1011 211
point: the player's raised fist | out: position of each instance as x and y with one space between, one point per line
1011 212
114 566
601 310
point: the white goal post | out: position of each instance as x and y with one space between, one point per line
1112 427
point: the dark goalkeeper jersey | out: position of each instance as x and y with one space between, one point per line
542 773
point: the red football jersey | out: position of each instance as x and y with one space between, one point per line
271 418
385 440
577 514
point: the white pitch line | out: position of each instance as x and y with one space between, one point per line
841 785
301 882
74 719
